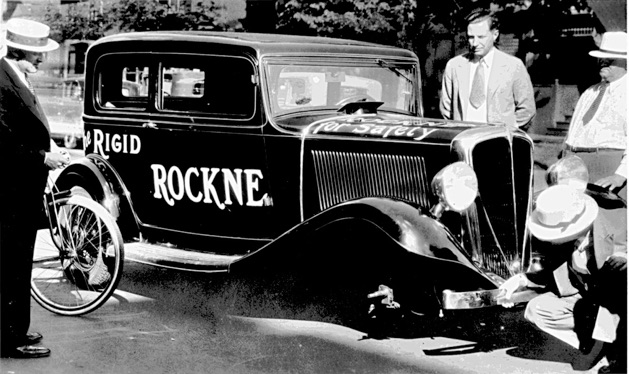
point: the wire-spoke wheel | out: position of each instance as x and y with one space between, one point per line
78 261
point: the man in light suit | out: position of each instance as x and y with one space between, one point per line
486 84
27 157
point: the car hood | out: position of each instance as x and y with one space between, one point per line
377 126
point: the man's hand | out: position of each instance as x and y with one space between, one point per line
57 160
615 263
511 285
612 182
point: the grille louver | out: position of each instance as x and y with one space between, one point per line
343 176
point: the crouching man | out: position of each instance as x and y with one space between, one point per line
584 273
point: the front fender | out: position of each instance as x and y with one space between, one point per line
419 241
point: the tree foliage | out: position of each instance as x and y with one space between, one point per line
384 21
80 22
75 23
404 23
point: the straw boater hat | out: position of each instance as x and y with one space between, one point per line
29 35
613 45
562 213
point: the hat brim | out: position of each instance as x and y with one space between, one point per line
50 46
601 54
565 234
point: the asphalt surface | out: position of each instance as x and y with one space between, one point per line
167 321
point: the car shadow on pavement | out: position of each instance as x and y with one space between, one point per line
215 298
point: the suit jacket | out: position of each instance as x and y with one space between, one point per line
608 236
510 98
24 139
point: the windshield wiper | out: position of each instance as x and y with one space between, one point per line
394 69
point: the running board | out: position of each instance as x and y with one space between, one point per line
172 258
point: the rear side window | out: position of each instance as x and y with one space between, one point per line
212 86
123 82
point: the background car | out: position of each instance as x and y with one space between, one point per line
63 104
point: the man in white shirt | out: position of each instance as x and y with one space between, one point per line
598 130
486 84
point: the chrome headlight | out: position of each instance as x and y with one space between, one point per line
571 171
456 186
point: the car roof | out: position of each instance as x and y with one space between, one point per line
262 43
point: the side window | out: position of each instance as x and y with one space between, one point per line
215 86
123 84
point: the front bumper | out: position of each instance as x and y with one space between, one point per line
481 299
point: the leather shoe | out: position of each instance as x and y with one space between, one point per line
27 351
32 338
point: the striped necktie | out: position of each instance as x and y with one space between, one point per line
477 95
589 115
29 84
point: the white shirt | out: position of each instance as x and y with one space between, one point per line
18 72
479 114
608 127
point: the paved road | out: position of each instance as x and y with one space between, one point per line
165 321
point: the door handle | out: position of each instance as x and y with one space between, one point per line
149 125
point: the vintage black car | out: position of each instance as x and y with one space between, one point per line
265 154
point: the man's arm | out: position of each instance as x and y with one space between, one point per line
619 178
445 102
9 144
523 96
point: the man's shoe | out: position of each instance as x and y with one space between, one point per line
27 351
32 338
614 367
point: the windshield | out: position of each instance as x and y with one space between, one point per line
301 85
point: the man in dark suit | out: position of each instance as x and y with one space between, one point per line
25 148
584 274
486 84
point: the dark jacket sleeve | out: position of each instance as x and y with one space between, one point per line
552 257
13 138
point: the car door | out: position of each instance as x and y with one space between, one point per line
187 142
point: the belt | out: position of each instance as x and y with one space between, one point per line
591 149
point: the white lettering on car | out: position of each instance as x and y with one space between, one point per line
104 143
376 127
208 187
178 190
235 184
159 183
172 185
194 198
251 181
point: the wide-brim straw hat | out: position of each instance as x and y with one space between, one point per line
562 213
613 45
29 35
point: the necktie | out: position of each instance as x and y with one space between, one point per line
477 95
587 117
28 83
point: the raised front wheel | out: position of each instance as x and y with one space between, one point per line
78 261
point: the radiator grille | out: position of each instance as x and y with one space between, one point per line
497 222
343 176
